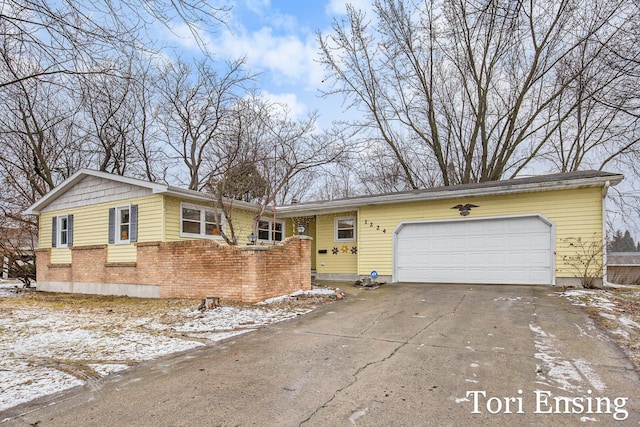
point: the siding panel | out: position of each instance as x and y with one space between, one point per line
344 261
242 220
91 227
92 190
576 213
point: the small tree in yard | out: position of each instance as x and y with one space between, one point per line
585 259
265 149
240 182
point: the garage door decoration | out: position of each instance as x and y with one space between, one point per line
505 250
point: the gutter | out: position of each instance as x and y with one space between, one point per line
605 190
314 208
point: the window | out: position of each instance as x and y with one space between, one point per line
123 224
62 231
123 219
198 221
345 229
266 230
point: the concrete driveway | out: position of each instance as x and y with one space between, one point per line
400 355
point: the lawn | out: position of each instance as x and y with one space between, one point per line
616 310
51 342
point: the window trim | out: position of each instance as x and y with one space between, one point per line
336 220
203 210
118 234
59 232
270 221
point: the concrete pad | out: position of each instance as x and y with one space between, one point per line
403 354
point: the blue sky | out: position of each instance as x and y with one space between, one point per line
278 39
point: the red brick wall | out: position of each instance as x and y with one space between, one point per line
193 269
46 272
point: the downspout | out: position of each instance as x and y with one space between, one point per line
273 225
605 190
358 234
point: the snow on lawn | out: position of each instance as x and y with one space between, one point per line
615 309
50 342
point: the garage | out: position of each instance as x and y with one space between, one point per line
504 250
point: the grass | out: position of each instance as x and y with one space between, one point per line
100 303
626 302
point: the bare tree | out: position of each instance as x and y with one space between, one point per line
40 146
118 120
46 48
17 259
480 91
266 146
335 181
195 105
42 39
111 118
293 148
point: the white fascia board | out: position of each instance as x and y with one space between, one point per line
154 187
35 208
334 206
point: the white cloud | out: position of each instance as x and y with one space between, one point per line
297 109
186 37
339 7
289 57
258 6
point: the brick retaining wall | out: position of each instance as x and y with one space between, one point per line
186 269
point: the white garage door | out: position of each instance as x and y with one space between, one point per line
512 250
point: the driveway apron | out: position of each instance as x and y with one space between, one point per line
399 355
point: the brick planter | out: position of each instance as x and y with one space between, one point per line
185 269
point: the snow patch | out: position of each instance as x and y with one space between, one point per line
358 414
46 350
555 371
104 369
22 382
312 292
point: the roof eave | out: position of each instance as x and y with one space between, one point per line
353 204
37 207
207 198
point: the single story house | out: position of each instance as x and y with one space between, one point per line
103 233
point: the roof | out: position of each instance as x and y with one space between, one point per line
623 258
155 188
559 181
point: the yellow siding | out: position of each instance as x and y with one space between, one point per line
243 225
292 230
60 256
576 214
171 219
90 227
345 261
121 253
242 220
311 232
